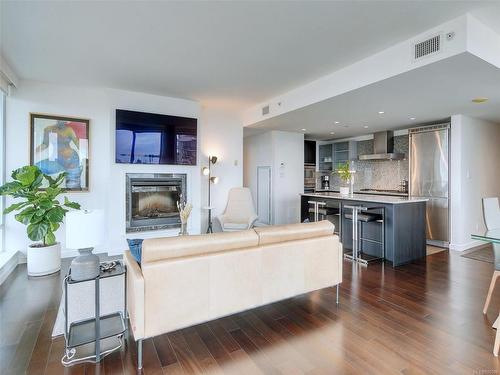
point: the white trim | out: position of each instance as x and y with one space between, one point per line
8 265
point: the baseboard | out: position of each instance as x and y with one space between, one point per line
465 246
9 266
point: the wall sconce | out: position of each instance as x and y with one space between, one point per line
207 171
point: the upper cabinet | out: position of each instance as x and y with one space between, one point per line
343 152
333 154
309 152
325 157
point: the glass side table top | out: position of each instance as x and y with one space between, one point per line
492 235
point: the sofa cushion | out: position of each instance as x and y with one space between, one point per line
154 249
291 232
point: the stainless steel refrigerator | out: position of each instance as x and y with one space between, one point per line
429 175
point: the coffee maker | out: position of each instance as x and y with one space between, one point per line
325 182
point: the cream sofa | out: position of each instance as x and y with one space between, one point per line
184 281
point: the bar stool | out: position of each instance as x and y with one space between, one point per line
316 210
359 216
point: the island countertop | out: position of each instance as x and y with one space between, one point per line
387 199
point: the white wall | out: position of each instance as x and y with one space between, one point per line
107 179
257 152
284 153
288 176
475 174
221 136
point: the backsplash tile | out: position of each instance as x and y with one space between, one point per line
378 174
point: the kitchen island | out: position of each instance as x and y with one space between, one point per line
402 229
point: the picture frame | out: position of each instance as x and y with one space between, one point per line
61 144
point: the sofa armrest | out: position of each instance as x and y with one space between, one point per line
135 295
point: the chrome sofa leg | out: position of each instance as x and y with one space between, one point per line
139 354
337 291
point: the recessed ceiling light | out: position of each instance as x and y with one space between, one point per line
366 126
479 100
332 133
303 130
412 118
336 122
381 112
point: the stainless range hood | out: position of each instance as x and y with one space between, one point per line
383 148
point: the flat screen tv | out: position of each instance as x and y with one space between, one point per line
150 138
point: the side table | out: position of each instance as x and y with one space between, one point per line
90 340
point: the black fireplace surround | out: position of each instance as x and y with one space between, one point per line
151 200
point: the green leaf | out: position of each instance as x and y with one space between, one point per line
37 232
15 207
45 203
49 239
54 226
55 215
53 192
70 204
10 188
26 215
40 212
37 182
26 175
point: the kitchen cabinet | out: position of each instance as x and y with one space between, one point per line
309 152
343 152
404 227
325 157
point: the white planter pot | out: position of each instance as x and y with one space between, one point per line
44 260
344 190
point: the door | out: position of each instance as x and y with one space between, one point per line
437 219
264 195
429 179
429 164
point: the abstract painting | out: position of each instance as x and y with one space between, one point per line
61 144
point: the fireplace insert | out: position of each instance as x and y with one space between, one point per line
152 201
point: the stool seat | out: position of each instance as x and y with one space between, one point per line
365 217
324 211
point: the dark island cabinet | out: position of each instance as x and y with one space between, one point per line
403 230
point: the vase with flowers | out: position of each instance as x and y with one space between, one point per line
184 212
346 175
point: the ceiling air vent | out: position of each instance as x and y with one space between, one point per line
265 110
427 47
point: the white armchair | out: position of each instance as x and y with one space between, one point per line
239 213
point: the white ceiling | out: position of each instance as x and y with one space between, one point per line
238 53
429 93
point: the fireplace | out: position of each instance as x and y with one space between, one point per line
151 201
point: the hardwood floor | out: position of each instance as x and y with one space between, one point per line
422 318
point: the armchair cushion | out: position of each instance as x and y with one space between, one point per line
239 213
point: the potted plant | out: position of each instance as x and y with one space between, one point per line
42 212
345 175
